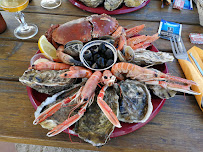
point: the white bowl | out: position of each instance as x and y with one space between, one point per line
93 43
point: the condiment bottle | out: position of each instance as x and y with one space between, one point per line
3 25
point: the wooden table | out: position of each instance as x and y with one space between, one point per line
177 127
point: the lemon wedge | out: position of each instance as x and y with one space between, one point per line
47 48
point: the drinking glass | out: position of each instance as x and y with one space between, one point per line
24 31
50 4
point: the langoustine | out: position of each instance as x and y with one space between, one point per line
152 77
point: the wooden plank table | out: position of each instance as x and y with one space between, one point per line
177 127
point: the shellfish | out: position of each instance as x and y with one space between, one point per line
135 105
46 81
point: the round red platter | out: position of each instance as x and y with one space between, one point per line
100 10
37 98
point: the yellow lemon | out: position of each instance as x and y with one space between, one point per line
47 48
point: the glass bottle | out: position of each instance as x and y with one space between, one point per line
3 25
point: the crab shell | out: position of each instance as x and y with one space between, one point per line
84 29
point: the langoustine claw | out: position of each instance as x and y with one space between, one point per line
108 80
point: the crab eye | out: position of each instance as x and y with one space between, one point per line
110 77
105 77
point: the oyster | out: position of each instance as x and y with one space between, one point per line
46 81
111 5
94 127
73 48
92 3
146 57
62 114
135 105
161 92
133 3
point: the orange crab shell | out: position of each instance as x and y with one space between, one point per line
84 29
102 25
79 29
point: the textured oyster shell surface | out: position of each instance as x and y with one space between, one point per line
111 5
46 81
146 57
94 127
92 3
62 114
135 103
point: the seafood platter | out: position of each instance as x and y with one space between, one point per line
111 7
103 72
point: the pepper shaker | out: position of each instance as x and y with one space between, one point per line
3 25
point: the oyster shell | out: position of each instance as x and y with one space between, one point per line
92 3
135 104
111 5
133 3
146 57
161 92
62 114
94 127
46 81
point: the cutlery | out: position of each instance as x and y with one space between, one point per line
189 70
196 63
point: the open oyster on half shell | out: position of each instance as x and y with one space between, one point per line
135 103
46 81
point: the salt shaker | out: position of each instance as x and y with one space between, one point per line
3 25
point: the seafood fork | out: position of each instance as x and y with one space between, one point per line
180 52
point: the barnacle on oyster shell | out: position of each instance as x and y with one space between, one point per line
46 81
135 103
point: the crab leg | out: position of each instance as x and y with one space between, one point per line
106 109
68 122
51 110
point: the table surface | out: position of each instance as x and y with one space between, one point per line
177 127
